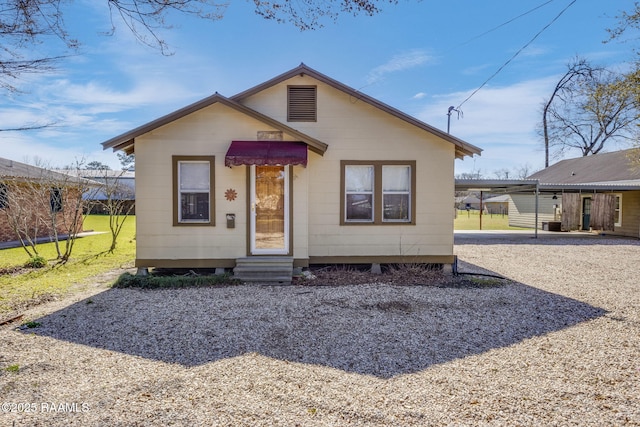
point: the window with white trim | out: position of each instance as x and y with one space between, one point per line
617 216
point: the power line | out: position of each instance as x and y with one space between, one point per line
504 23
518 52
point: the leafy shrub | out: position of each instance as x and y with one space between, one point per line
36 261
151 281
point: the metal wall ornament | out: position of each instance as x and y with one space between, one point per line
230 194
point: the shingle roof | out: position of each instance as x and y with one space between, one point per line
10 169
598 168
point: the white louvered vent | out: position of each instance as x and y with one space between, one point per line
301 103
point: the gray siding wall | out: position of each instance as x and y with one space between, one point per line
522 210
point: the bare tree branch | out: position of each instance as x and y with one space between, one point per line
591 110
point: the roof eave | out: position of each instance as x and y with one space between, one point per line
126 141
462 148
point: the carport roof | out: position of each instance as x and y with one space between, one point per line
501 186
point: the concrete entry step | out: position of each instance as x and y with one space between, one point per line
264 269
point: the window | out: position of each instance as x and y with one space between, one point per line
55 199
193 190
359 193
396 193
617 216
378 192
301 103
4 196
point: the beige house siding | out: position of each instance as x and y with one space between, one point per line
630 214
353 130
206 132
522 210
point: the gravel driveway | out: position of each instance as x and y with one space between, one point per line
559 344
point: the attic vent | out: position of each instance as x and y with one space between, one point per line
301 103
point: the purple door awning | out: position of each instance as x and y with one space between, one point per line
266 153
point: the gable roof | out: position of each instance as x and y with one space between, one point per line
126 141
598 168
462 148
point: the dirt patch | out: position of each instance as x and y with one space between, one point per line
398 275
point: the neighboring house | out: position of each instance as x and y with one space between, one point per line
33 199
470 201
599 192
496 205
300 169
115 184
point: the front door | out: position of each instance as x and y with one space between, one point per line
269 210
586 213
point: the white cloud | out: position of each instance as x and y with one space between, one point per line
400 62
500 120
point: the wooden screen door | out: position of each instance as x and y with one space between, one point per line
269 210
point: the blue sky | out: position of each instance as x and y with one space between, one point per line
420 57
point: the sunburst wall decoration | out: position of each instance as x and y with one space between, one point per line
230 194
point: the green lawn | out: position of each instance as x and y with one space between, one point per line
89 258
470 220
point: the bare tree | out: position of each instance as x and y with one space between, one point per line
590 111
502 173
67 206
22 199
45 204
627 32
475 174
577 71
25 24
523 171
115 198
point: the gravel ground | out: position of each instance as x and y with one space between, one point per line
557 344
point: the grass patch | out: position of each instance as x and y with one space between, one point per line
152 281
14 369
470 220
21 287
32 324
487 282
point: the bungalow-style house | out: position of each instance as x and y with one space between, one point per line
298 170
600 192
37 203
